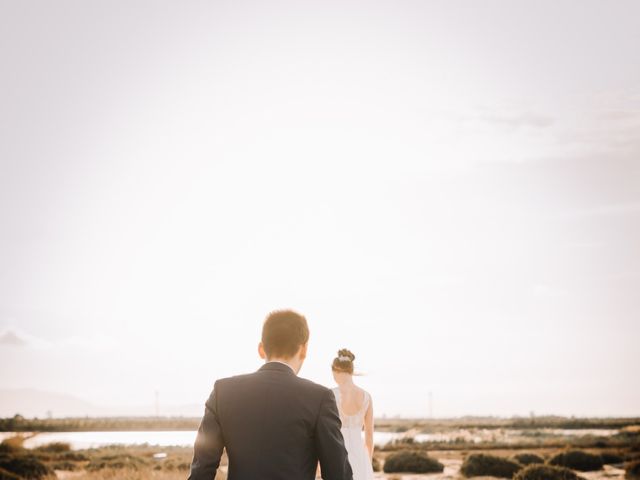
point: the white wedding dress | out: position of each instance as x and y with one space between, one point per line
352 432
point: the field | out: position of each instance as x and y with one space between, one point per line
453 445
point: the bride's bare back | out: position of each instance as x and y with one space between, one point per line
352 399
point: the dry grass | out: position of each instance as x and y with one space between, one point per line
127 474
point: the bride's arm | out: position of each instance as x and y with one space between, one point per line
368 428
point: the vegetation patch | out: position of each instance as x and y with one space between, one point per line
546 472
528 458
24 465
375 463
173 464
577 460
12 444
480 464
54 447
117 462
64 465
632 471
412 462
5 475
611 458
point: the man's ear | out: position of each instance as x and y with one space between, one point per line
302 354
261 352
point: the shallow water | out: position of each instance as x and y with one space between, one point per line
80 440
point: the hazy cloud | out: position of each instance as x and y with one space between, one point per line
609 124
18 338
617 209
11 338
93 343
547 291
524 119
618 115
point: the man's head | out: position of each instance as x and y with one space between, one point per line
284 337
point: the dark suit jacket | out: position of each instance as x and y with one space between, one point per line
274 425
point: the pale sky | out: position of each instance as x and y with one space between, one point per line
451 189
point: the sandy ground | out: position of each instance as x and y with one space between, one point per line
452 461
452 471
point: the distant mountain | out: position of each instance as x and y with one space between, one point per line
31 403
35 403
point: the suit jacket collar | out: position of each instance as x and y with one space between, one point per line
277 366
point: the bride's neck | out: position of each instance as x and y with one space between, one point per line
346 382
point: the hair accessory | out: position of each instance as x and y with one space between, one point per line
344 358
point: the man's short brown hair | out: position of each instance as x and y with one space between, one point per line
283 333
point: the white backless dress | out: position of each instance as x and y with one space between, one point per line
352 426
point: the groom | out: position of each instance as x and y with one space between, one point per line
273 424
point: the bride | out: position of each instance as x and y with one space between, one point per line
356 413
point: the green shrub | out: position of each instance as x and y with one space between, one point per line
546 472
632 471
528 458
5 475
24 465
577 460
480 464
611 458
411 462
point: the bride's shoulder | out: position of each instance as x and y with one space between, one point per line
362 390
366 394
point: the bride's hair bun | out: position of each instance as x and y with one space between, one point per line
344 361
344 352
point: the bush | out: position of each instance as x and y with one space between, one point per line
64 465
631 456
546 472
12 444
375 463
58 452
632 471
611 458
6 449
577 460
5 475
24 465
54 447
173 464
528 458
480 464
411 462
73 456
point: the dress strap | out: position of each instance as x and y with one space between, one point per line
365 405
